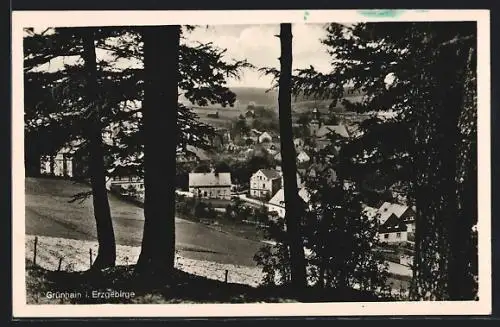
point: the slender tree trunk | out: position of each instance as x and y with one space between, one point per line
106 255
52 165
161 65
289 166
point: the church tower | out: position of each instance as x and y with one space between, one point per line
315 123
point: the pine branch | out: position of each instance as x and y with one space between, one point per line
80 197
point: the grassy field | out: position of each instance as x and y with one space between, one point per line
231 227
49 213
226 116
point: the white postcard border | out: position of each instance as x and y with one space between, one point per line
22 19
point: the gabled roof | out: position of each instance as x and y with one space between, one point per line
279 198
393 225
326 173
265 133
209 179
194 151
304 155
270 173
255 132
272 151
387 209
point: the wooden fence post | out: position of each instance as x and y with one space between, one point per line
225 278
90 255
34 251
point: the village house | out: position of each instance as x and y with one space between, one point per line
277 203
299 144
192 154
265 137
210 185
253 135
60 164
213 114
264 183
272 152
404 213
370 212
320 132
393 230
231 147
63 163
277 157
299 180
123 177
127 185
303 157
249 114
326 173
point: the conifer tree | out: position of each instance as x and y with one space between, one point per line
423 73
293 215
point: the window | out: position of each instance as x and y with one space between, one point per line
386 236
264 185
398 235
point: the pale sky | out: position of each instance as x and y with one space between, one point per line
259 45
255 43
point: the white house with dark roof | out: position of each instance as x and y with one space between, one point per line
265 183
277 202
393 230
210 185
403 212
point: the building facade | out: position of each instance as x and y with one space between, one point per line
265 137
210 185
393 231
277 203
265 183
60 165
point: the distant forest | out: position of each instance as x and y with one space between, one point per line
269 98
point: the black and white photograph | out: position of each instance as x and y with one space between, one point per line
335 161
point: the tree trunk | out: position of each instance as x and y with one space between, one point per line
161 65
461 283
289 164
52 165
106 255
442 234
